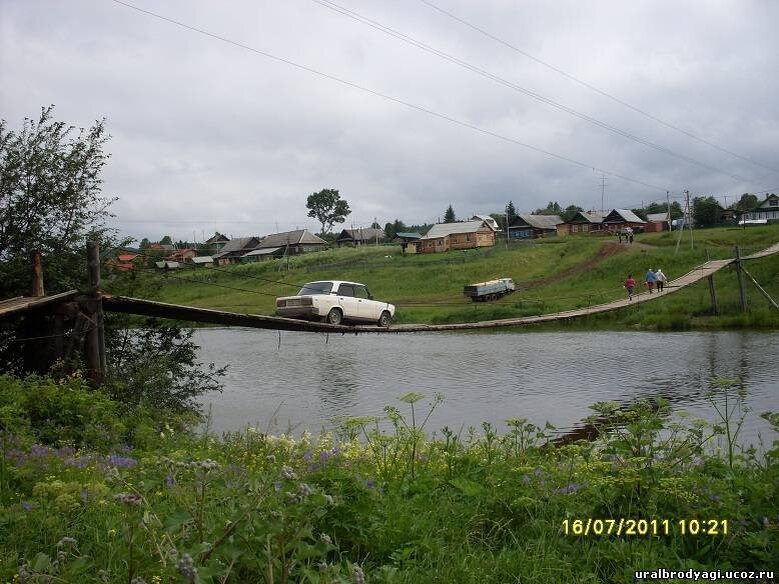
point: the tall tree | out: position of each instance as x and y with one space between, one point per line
747 202
570 212
145 243
50 199
705 211
328 208
511 212
449 216
552 208
167 240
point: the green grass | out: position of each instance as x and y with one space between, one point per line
389 501
428 288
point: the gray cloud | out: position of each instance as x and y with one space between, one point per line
209 136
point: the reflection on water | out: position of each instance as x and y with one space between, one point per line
552 377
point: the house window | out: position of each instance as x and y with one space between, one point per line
467 237
574 228
773 203
585 228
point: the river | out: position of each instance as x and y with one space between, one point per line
310 379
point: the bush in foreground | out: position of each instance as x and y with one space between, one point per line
380 501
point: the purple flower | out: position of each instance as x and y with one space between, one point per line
715 498
538 472
26 506
307 456
526 479
369 483
84 495
169 480
121 461
568 489
277 486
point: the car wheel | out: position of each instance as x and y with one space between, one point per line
335 316
385 319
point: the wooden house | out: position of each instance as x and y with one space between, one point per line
583 223
619 219
359 236
460 235
534 226
294 242
216 242
490 221
235 249
656 222
203 261
408 241
125 261
768 209
184 255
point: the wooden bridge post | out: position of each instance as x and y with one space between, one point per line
742 289
712 290
94 345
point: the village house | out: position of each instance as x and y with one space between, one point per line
768 209
157 246
656 222
583 223
216 242
125 261
534 226
490 221
278 245
203 261
620 219
183 255
408 241
235 249
360 236
462 235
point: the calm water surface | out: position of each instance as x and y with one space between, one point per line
555 377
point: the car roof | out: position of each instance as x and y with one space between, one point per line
335 282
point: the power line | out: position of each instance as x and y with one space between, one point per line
389 97
595 89
530 93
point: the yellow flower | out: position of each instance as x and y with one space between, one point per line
111 532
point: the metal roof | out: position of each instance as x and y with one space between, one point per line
202 260
445 229
262 251
627 215
361 234
590 216
539 221
297 237
238 244
406 235
657 217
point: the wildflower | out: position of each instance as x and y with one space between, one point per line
186 567
715 498
307 456
538 472
369 483
169 480
277 486
305 490
359 575
67 541
129 498
326 538
26 506
526 479
111 532
271 458
137 580
84 495
324 456
288 473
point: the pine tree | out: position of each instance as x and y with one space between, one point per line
449 216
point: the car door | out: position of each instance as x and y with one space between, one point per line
348 302
367 308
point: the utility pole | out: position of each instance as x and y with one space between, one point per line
668 209
742 289
602 193
377 231
94 345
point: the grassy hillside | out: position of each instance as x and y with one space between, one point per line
553 274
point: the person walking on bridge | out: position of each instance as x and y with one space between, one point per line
650 278
661 280
630 284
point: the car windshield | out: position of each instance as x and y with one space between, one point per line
316 288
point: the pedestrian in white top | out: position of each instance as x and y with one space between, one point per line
661 279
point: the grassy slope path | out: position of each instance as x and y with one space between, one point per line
695 275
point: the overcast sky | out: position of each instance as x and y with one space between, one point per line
210 136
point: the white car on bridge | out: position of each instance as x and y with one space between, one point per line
334 302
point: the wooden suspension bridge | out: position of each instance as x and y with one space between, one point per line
87 309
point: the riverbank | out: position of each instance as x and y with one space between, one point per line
553 275
120 494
